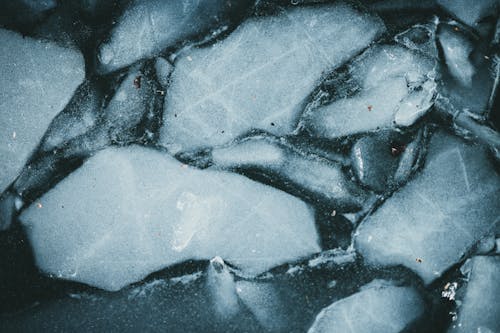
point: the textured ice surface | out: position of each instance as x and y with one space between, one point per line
149 26
480 310
39 79
78 117
437 217
263 302
457 51
222 288
132 211
382 83
312 174
375 309
259 76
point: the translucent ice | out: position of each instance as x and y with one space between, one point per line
385 81
374 309
259 76
432 222
39 80
479 310
222 288
470 12
130 211
306 174
78 117
149 26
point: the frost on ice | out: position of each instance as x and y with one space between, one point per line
437 217
259 76
131 211
385 85
39 80
374 309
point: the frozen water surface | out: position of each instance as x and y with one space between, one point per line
249 166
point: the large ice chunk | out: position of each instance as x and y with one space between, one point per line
385 85
131 211
39 80
147 27
471 12
259 76
480 309
438 216
375 309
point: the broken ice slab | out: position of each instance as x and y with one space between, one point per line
437 218
374 309
382 81
131 211
40 78
305 175
78 117
480 310
421 38
148 27
468 77
259 76
473 13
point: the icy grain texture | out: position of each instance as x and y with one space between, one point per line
129 212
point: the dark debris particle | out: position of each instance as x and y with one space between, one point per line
137 82
272 124
397 149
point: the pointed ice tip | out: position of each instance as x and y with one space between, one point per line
217 263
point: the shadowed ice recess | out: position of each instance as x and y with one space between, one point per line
250 166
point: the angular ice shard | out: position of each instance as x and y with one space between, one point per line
457 51
131 211
78 117
431 223
163 70
40 78
383 83
260 75
306 175
374 309
263 302
471 12
222 288
480 310
150 26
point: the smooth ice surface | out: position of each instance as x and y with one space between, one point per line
437 217
385 78
149 26
480 310
259 76
315 175
132 211
375 309
38 80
